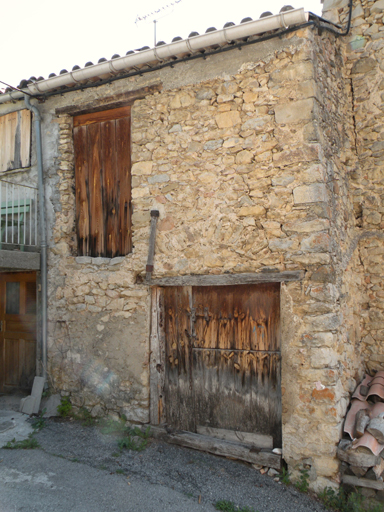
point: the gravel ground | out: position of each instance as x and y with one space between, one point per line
202 478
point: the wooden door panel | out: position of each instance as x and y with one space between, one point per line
223 358
103 182
18 330
12 362
222 389
178 385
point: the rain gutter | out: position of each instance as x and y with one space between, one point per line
167 51
43 238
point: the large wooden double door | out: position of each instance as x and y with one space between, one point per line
222 359
18 330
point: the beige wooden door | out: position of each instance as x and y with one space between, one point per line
222 359
18 330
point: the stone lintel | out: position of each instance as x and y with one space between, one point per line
228 279
19 260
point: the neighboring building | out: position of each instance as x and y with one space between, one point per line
264 306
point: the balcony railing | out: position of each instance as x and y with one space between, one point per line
18 216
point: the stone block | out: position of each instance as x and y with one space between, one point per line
304 153
282 244
282 181
318 242
377 7
363 65
255 211
324 274
158 178
255 123
299 71
50 405
140 168
309 226
295 111
83 260
323 358
244 157
322 323
334 4
212 145
31 404
314 193
228 119
311 259
138 193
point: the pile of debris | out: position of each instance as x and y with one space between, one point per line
362 449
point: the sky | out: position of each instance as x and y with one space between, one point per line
45 36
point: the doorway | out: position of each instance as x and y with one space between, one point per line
17 331
221 359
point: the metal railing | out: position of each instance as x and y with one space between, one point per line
18 208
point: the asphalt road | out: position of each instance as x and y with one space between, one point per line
79 469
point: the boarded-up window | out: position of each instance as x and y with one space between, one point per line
103 182
15 140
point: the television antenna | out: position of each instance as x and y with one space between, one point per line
156 15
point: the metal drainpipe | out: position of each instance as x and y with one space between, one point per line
43 238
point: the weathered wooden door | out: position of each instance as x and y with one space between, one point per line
222 358
102 142
18 330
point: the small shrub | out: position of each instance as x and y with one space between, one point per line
120 471
39 422
342 502
86 418
284 477
65 408
302 484
110 426
229 506
26 444
135 439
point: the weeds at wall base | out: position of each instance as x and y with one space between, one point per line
27 444
339 501
229 506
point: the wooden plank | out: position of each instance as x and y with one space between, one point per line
362 482
82 190
162 343
253 439
228 279
98 117
154 361
123 184
96 192
25 134
184 354
111 102
219 447
171 358
109 156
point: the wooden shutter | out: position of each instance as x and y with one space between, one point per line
15 140
103 182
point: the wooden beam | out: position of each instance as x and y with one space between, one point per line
114 101
230 449
363 482
256 440
228 279
154 360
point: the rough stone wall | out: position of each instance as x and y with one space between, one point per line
245 159
365 70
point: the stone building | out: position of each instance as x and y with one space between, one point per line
263 305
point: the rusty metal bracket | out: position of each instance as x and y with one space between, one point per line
152 240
